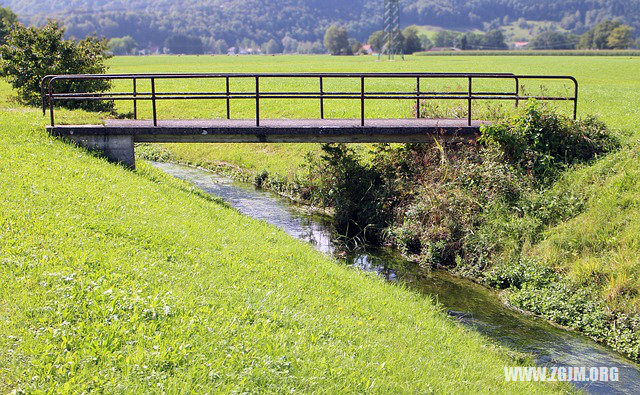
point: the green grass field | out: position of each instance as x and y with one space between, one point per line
121 281
599 246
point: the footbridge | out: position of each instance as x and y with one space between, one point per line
116 137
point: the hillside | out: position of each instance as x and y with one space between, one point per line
151 22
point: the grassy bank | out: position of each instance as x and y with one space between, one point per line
593 246
113 280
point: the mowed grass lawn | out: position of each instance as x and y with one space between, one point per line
599 247
130 281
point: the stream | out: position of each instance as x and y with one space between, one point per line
474 306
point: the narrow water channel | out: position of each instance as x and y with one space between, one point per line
474 306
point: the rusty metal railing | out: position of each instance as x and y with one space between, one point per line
50 95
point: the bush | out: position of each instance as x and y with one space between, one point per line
542 143
354 189
32 53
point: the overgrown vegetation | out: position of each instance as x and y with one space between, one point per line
31 53
353 188
536 288
438 192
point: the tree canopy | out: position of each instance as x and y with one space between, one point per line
336 41
7 19
607 35
554 40
31 53
184 44
123 45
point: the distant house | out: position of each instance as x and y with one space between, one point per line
367 49
520 44
231 51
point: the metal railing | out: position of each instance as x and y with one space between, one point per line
50 95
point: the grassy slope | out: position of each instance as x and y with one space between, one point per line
119 280
603 241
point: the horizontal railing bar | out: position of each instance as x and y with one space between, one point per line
179 95
277 75
328 96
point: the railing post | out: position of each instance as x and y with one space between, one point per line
321 99
362 101
135 101
418 97
228 99
44 98
51 102
469 100
575 101
517 92
153 102
257 101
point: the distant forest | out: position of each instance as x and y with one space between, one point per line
252 23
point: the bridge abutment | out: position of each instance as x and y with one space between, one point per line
117 148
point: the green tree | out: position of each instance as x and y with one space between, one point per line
376 40
620 37
445 38
289 45
425 42
336 40
411 42
31 53
7 20
464 42
183 44
494 39
123 45
271 47
598 37
354 45
554 40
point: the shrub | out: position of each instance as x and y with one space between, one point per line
542 143
32 53
354 189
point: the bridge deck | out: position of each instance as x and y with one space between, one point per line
280 130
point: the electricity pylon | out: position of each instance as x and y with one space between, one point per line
392 36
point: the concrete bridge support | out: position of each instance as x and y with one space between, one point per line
117 148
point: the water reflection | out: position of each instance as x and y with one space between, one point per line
471 304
